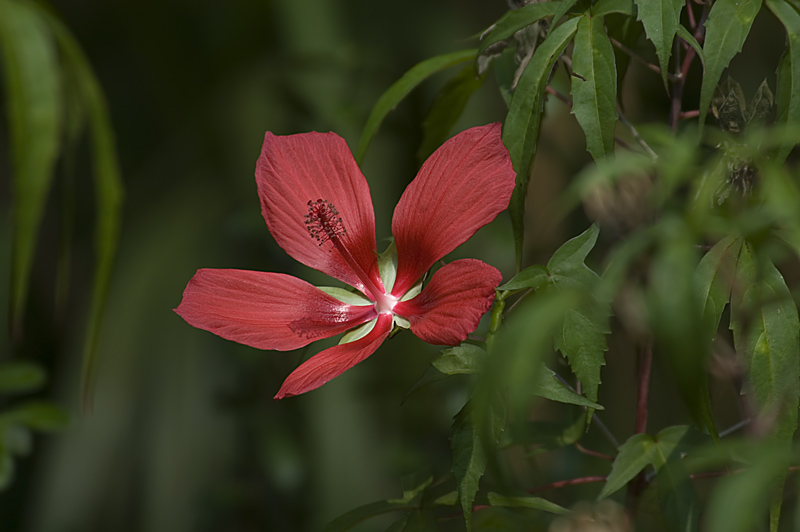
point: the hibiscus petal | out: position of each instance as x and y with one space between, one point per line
295 169
452 303
266 310
463 186
334 361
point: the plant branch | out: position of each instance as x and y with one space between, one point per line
680 84
645 370
568 482
596 454
641 60
635 133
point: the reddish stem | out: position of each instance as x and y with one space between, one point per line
680 84
568 482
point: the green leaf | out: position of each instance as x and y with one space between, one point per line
634 455
36 415
531 277
606 7
362 513
563 7
582 342
738 502
521 128
684 34
714 278
446 109
6 469
550 387
515 20
430 376
727 27
661 20
526 501
20 377
570 257
546 435
594 86
766 332
679 503
676 318
400 89
788 97
461 359
108 188
468 441
34 107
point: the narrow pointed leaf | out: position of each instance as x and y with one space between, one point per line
526 501
661 19
562 9
446 109
515 20
788 97
34 107
534 277
594 86
727 27
714 277
684 34
606 7
108 189
550 387
521 128
362 513
634 455
395 94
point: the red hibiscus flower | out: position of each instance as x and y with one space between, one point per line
317 205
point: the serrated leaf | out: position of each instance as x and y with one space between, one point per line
788 90
550 387
727 27
634 455
446 109
684 34
594 86
661 20
531 277
34 107
515 20
582 342
714 278
526 501
19 377
400 89
469 446
461 359
521 128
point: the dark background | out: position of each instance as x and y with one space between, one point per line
184 434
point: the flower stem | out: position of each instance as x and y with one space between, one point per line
497 318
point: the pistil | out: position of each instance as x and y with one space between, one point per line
324 224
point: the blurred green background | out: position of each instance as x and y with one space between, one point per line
183 433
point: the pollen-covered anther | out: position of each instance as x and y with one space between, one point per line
323 221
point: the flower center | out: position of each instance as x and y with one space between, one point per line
325 225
